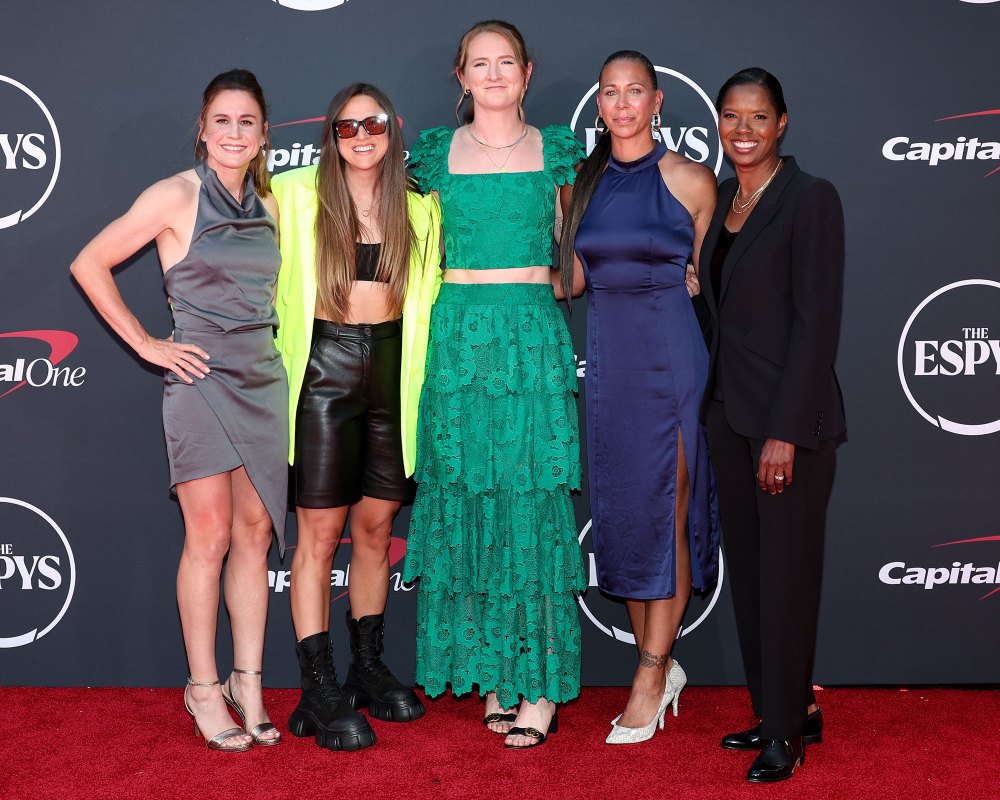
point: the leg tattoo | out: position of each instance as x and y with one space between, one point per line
647 659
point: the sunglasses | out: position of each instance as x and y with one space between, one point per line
348 128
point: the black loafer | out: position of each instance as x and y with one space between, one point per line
777 760
812 733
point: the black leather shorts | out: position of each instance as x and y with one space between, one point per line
347 428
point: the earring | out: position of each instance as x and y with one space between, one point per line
468 91
599 126
656 121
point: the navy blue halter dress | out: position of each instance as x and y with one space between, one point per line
646 370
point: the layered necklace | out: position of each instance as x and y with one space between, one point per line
508 147
742 206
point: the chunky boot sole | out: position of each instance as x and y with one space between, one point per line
387 712
350 737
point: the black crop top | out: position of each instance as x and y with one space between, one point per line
366 260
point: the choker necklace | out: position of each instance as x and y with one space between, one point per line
742 206
515 143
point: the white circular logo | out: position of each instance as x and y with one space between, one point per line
698 608
692 124
310 5
29 152
949 358
37 573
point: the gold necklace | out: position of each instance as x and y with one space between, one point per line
742 206
365 212
515 143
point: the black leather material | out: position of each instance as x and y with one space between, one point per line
323 711
751 739
369 682
348 440
777 760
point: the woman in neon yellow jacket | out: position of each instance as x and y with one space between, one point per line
360 270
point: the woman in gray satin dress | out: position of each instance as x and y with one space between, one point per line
225 391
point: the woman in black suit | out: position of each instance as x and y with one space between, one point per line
772 267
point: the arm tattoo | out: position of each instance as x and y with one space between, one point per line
647 659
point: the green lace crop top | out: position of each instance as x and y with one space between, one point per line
496 220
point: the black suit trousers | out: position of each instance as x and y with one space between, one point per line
774 554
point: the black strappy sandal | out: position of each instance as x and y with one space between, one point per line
534 733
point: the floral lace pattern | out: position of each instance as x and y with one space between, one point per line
497 220
492 533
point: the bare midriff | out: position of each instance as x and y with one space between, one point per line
538 274
369 304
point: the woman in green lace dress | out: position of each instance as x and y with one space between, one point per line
493 537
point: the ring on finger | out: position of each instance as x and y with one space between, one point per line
779 477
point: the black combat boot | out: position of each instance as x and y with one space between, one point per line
323 711
369 682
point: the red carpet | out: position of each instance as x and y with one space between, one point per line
137 743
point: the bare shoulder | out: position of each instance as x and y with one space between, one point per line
171 194
271 204
165 201
687 174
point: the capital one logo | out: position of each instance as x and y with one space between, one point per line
691 125
340 573
310 5
33 358
37 573
29 152
606 614
949 358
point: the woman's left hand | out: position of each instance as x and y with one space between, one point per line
691 279
774 467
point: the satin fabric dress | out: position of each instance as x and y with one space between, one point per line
222 298
646 370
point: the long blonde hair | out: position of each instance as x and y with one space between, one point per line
337 226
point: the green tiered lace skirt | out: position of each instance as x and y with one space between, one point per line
493 537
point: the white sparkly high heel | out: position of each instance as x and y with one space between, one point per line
622 735
676 680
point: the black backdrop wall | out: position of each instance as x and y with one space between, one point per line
895 102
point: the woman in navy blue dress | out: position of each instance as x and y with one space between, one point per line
636 221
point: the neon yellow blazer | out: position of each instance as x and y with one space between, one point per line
295 302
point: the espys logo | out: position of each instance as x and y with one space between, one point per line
899 573
310 5
607 614
29 152
692 124
23 362
37 573
949 358
340 575
962 148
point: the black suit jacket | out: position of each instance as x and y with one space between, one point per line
776 321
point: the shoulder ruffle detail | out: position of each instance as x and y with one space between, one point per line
562 151
429 158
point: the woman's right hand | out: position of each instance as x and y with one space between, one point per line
179 357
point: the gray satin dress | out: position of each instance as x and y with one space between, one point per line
222 297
